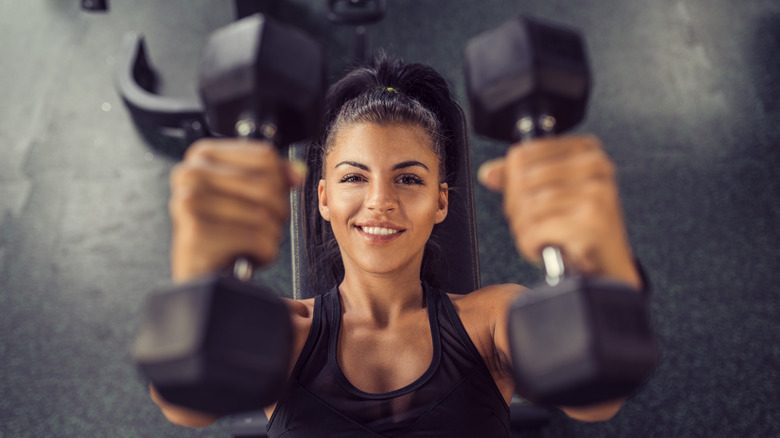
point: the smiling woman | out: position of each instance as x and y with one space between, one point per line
390 93
381 197
382 351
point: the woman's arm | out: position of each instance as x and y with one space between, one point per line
562 192
229 198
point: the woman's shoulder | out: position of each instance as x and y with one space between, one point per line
300 310
301 318
487 300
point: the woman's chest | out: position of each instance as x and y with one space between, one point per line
383 359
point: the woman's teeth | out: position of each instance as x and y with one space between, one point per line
378 231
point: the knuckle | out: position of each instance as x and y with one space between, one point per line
202 148
600 193
591 211
264 219
277 182
599 158
184 208
266 149
515 155
184 175
590 142
597 165
262 154
271 210
277 205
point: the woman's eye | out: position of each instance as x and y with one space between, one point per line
410 179
351 178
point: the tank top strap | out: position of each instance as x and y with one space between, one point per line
432 300
454 322
300 364
318 324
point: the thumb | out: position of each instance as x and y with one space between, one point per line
297 171
491 174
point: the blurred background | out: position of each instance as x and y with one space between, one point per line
686 100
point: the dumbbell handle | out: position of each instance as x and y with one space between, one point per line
247 128
527 128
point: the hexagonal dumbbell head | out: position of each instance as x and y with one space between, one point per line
583 341
266 76
216 345
525 68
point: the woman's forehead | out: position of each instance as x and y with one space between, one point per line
382 142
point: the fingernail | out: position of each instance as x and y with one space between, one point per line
300 168
482 173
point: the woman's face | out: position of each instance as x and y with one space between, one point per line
381 194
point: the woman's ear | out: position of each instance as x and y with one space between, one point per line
444 202
322 196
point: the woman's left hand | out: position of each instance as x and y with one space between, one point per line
562 191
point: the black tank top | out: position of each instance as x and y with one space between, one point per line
455 397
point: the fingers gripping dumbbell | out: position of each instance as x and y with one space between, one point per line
576 340
221 345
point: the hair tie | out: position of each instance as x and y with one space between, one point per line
390 89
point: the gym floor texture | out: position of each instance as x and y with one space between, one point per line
686 100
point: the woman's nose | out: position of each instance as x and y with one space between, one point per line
381 197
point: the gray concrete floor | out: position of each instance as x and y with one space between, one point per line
686 102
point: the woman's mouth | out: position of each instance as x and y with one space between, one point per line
378 231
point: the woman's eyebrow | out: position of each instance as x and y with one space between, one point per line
354 164
410 163
401 165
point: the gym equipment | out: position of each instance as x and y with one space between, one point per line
94 5
220 344
359 13
261 79
576 340
356 11
245 8
169 124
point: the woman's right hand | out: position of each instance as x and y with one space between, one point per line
229 198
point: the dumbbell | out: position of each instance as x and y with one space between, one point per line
219 344
576 339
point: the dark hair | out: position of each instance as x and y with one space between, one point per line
388 91
383 106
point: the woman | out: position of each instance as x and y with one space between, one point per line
382 353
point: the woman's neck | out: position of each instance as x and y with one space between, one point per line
381 298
